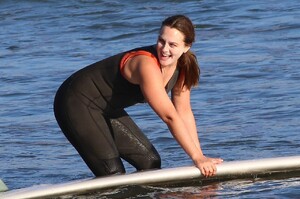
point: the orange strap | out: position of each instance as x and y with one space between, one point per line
132 54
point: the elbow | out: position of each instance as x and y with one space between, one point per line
168 119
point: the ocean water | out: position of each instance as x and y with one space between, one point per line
247 104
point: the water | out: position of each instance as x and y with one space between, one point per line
247 105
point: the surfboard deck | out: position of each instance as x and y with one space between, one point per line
226 170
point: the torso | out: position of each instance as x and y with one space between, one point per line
167 73
104 86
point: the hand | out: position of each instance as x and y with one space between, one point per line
207 165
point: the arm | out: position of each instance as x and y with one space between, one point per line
151 83
181 101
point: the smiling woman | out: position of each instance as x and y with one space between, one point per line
180 34
89 105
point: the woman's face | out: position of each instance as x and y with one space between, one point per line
170 46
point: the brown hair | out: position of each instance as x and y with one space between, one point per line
187 63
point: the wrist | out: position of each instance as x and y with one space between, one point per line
198 158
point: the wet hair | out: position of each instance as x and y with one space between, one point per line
187 63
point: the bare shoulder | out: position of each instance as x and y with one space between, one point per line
140 67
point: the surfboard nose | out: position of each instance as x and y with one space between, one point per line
3 186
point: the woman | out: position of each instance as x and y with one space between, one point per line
89 105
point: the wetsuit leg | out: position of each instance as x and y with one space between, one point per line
88 131
132 144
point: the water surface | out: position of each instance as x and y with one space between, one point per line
246 106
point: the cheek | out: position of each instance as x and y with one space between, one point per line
177 53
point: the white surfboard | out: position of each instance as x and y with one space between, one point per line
226 170
3 186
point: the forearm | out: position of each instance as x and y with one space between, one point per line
190 124
187 141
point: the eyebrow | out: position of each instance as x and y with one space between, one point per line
172 42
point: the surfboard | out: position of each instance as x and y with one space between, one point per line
226 170
3 186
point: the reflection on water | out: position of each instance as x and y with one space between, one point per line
254 187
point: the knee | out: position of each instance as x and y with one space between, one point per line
151 162
155 163
108 167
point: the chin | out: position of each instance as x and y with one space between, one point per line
164 62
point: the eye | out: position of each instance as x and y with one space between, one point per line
160 40
173 45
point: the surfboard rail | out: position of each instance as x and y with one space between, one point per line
226 170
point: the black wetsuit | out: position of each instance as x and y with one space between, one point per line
89 108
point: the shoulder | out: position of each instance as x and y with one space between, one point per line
144 65
140 66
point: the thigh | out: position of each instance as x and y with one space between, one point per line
132 144
88 131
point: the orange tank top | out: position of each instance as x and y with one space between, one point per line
132 54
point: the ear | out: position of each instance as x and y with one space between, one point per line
186 48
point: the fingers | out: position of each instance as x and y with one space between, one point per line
209 167
209 170
217 160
